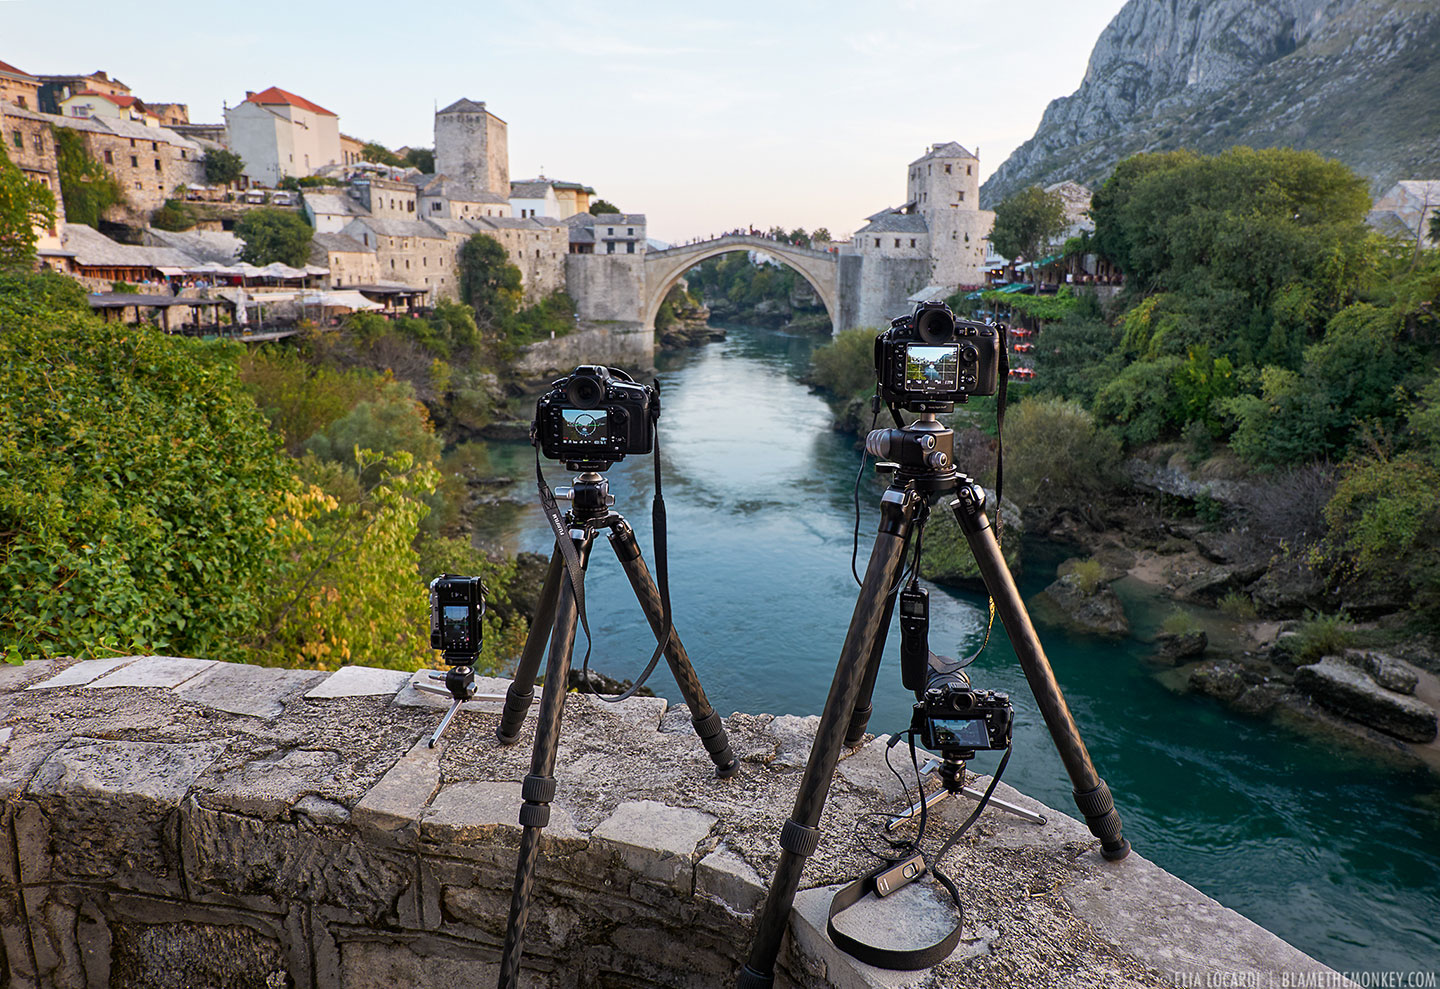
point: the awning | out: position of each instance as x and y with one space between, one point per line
171 272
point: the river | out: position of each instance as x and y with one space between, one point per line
1333 848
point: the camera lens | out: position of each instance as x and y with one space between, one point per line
935 325
585 392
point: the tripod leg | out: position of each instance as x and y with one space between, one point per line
863 707
538 789
522 688
707 723
800 835
1092 796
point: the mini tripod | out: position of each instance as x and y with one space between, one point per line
924 471
459 683
555 620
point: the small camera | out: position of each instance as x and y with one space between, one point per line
594 416
456 606
929 360
952 718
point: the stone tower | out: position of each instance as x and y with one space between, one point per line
943 186
472 148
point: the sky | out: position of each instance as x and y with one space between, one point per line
705 117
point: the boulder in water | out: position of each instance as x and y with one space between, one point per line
1348 691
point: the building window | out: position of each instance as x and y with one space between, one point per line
609 230
134 161
365 238
962 197
967 169
157 164
132 142
154 146
897 241
912 241
19 139
184 155
137 185
630 231
537 252
629 247
947 169
877 241
609 247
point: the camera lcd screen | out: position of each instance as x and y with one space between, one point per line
932 369
968 734
455 614
584 426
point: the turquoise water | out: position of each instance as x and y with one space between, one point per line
1332 848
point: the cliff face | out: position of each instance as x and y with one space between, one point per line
1356 80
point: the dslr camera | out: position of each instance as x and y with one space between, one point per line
594 416
456 606
929 360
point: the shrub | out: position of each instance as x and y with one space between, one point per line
1237 605
1055 455
1323 635
845 367
1089 575
1179 622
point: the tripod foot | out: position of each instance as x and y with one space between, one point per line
1099 810
751 979
712 735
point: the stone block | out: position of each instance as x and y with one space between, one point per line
1349 692
1391 673
403 792
485 688
268 786
655 840
728 879
82 672
384 963
105 811
359 681
153 671
470 813
15 677
237 688
186 955
643 712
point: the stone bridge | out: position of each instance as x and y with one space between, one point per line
664 268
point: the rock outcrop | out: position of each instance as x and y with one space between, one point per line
1095 611
1348 691
1351 79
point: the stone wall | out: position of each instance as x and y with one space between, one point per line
628 346
607 287
176 822
881 287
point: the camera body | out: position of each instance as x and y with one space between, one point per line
929 360
456 606
952 718
594 416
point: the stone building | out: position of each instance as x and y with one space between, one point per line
607 233
30 144
148 162
927 248
444 198
350 262
279 134
549 197
170 114
91 105
352 150
19 87
472 148
55 89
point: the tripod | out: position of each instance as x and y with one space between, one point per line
925 470
555 619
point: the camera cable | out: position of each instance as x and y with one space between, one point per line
864 458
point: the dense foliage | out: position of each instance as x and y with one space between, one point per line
87 189
173 214
223 166
601 206
24 205
274 235
491 285
1027 223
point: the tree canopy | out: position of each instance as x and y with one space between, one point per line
274 235
24 205
488 281
1027 223
600 206
223 166
87 189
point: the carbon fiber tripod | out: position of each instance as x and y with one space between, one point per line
923 471
555 619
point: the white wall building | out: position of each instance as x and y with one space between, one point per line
277 134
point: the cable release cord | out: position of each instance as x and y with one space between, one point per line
577 573
909 959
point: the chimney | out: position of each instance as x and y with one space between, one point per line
249 94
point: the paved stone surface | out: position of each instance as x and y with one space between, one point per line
409 696
258 691
359 681
655 839
153 671
645 712
467 812
82 672
402 793
14 677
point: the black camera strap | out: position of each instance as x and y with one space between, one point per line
887 878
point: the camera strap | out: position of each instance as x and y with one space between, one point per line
884 880
567 549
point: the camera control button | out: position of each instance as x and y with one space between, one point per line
911 871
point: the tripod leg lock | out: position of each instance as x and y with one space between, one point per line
798 839
751 979
1099 809
534 815
711 731
517 705
538 789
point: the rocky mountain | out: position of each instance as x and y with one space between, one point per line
1356 80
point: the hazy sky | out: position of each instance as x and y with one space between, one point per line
704 117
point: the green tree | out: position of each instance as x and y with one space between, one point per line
1055 455
24 205
223 166
388 425
1027 223
421 158
488 281
600 206
845 366
87 189
381 155
274 235
137 484
821 235
173 215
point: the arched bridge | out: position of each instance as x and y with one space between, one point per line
664 268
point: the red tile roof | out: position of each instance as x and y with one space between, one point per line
123 102
7 67
275 95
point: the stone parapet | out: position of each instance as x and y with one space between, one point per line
176 823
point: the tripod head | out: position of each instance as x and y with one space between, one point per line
589 496
922 453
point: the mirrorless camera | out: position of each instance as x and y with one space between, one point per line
929 360
595 416
457 604
952 718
